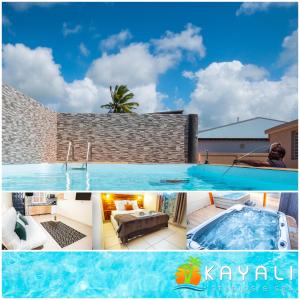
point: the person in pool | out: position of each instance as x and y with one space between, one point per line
275 158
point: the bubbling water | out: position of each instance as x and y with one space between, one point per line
247 229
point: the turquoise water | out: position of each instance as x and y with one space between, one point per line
245 229
145 177
142 275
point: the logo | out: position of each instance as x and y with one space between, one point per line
188 275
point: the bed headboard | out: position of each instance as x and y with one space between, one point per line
108 201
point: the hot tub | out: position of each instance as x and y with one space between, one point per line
241 228
226 200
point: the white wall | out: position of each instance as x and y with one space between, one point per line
80 211
6 201
197 200
98 240
150 201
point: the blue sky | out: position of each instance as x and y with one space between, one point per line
220 60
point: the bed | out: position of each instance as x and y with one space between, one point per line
130 224
120 212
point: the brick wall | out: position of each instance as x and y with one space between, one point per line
28 129
128 138
34 134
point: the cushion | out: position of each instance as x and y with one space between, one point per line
20 230
9 238
128 206
120 204
22 218
134 204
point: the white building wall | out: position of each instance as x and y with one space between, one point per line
197 200
80 211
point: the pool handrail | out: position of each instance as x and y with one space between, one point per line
68 153
87 154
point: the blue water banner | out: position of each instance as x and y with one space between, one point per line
150 274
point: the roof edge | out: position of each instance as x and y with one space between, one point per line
233 123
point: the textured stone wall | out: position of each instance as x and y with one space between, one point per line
132 138
33 133
28 129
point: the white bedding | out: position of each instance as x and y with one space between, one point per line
121 212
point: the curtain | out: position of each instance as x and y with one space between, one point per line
180 208
289 204
168 204
159 202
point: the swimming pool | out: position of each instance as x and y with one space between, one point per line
143 177
241 228
143 275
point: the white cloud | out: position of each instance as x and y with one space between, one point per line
227 90
84 96
47 85
188 74
250 8
189 39
23 6
34 72
289 54
68 30
116 40
84 50
133 65
136 67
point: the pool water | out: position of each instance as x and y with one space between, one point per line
143 177
245 229
142 275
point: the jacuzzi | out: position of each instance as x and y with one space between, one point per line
241 228
226 200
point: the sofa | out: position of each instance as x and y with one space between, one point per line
35 235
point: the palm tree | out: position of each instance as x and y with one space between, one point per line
120 97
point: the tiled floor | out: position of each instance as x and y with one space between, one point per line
83 244
201 215
171 238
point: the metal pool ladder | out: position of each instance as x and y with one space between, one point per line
71 148
87 154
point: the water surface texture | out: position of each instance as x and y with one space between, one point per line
145 177
143 275
245 229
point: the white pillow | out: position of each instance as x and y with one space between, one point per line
9 238
134 204
120 204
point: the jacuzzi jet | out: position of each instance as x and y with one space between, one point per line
282 244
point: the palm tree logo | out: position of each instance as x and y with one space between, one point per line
189 272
